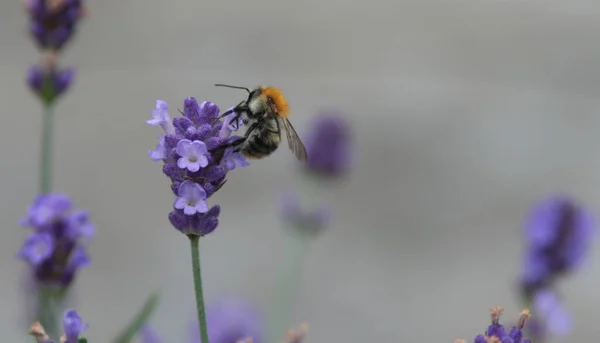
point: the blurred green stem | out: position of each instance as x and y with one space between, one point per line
194 243
289 277
47 303
46 150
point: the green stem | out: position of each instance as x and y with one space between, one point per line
47 312
194 240
46 151
289 279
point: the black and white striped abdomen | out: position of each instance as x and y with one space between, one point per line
263 141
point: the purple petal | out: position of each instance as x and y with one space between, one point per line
183 147
191 109
201 207
202 161
182 124
193 166
180 203
179 220
209 112
198 148
160 152
189 210
183 163
197 192
37 248
79 258
35 78
63 80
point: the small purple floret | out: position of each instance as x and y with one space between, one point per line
193 155
191 199
49 84
37 248
73 326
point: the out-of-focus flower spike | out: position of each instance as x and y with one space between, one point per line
329 145
56 249
53 23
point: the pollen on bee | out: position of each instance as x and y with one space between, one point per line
278 98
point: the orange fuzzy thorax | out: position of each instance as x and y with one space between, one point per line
282 106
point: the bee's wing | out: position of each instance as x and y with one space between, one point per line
294 141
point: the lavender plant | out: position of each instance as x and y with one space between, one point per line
190 150
53 24
330 154
558 234
55 250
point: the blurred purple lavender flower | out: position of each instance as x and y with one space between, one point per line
193 161
329 146
558 234
49 83
56 247
53 22
311 222
231 321
497 333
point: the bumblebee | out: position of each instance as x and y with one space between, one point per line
265 114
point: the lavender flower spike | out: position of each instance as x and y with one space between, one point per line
329 147
54 22
57 247
231 320
558 235
196 159
497 333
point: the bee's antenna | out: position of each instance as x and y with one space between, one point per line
229 86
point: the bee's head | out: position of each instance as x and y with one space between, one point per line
274 98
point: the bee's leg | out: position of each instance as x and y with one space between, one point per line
220 150
239 109
238 141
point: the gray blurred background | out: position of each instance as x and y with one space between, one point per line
465 113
